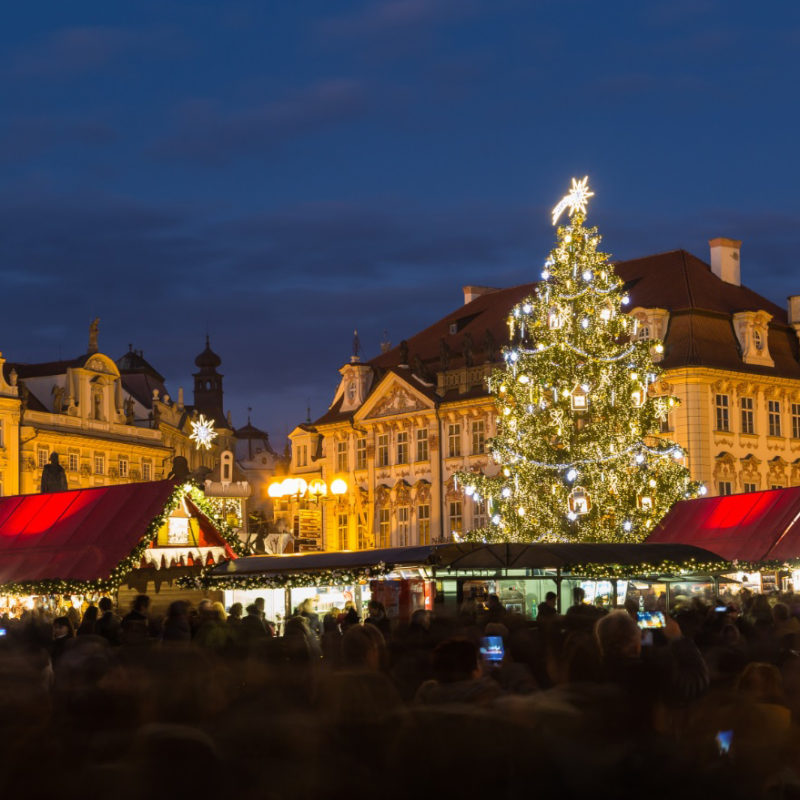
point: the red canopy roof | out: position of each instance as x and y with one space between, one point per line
756 526
80 535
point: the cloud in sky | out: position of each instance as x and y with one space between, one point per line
206 133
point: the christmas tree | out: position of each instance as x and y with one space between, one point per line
577 434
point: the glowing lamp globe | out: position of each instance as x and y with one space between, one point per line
338 486
318 488
275 490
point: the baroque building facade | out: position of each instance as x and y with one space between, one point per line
401 424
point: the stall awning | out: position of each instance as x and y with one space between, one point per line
757 526
81 535
467 556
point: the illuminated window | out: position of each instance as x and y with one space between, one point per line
383 450
341 457
454 440
456 521
748 424
2 435
795 420
147 470
42 455
99 464
422 444
342 521
402 447
479 514
478 437
361 453
424 524
123 467
384 527
302 455
721 406
403 531
363 542
73 462
178 530
724 487
774 416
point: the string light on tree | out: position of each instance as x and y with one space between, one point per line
578 433
203 433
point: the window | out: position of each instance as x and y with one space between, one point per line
361 453
99 464
422 444
342 530
123 467
479 514
795 420
178 530
750 487
758 340
403 516
302 455
72 462
2 439
456 521
663 424
774 409
384 527
454 440
363 542
721 405
341 457
643 331
424 524
748 426
147 470
478 437
42 455
724 487
776 486
402 447
383 450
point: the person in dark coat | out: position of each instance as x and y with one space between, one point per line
252 629
63 637
88 623
377 617
108 624
547 610
135 623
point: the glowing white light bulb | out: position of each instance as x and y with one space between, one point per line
677 453
702 490
625 299
496 519
506 492
587 275
527 308
584 323
639 458
627 525
521 511
572 474
469 491
545 274
572 516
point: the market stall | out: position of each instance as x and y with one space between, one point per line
67 547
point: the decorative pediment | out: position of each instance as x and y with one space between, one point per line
752 331
103 364
398 399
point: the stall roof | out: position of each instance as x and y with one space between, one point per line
79 535
468 555
757 526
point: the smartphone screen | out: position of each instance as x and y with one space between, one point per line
650 620
492 648
724 740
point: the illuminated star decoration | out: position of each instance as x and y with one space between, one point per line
576 200
203 433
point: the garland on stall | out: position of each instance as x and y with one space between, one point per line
206 506
101 585
288 580
595 571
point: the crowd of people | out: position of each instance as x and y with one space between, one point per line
204 700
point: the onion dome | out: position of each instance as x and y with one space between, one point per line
208 358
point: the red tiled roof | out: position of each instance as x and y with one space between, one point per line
700 331
757 526
79 535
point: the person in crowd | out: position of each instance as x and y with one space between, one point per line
301 646
108 623
176 626
253 630
135 624
546 610
235 615
89 622
376 615
213 632
306 609
63 636
581 613
331 639
349 616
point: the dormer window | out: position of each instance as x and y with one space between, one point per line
752 332
650 324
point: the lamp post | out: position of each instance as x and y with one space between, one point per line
297 490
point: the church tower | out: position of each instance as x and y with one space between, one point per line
208 386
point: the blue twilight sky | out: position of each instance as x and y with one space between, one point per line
278 173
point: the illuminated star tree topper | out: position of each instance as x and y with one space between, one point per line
203 433
575 199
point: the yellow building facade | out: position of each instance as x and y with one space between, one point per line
401 424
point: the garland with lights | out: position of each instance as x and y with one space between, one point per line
288 580
578 444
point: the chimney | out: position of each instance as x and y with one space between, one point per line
725 259
473 292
